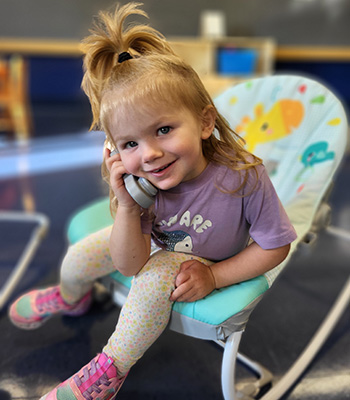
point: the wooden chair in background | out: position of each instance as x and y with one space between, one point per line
15 114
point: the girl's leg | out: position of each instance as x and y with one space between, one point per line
142 319
147 309
84 262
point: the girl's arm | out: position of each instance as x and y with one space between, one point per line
128 246
195 280
249 263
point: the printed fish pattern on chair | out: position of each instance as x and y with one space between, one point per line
296 126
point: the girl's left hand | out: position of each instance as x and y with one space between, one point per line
193 282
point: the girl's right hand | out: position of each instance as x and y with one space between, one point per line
116 171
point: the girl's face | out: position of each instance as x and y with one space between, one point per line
162 144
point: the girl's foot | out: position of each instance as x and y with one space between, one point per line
97 380
31 310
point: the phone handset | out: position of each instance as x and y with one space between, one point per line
140 189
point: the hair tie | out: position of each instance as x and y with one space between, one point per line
124 56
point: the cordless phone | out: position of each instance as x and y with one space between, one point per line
140 189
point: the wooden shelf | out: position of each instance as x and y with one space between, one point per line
202 55
43 47
200 51
317 54
190 47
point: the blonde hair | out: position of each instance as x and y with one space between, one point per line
156 74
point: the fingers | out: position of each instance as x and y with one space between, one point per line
181 277
107 153
110 158
117 170
187 265
184 292
193 282
114 166
188 292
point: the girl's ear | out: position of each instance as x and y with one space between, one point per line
208 121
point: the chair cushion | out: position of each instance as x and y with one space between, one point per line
213 308
89 219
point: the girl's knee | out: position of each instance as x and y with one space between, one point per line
69 263
167 259
82 261
162 268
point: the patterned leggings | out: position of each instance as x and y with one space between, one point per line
147 310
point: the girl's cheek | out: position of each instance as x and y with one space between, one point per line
130 166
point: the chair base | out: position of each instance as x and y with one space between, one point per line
232 390
250 391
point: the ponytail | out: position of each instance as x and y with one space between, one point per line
108 39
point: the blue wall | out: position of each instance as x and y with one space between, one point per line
335 75
55 79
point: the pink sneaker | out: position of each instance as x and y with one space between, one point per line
32 309
98 380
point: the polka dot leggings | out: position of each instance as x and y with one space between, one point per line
147 309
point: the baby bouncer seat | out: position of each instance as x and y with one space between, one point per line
299 128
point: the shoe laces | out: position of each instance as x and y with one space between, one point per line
49 301
93 378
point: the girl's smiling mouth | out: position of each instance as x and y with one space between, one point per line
160 171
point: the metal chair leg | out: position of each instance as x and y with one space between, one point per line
230 356
228 371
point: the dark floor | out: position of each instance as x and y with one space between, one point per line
176 367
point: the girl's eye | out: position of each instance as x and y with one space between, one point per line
130 145
164 130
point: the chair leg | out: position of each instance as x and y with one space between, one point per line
230 356
264 377
228 368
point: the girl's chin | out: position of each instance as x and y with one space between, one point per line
166 185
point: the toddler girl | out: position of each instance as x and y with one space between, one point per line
213 196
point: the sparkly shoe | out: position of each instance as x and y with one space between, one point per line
98 380
31 310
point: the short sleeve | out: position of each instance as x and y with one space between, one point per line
270 226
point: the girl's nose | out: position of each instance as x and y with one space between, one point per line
151 152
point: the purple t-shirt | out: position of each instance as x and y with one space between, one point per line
197 217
